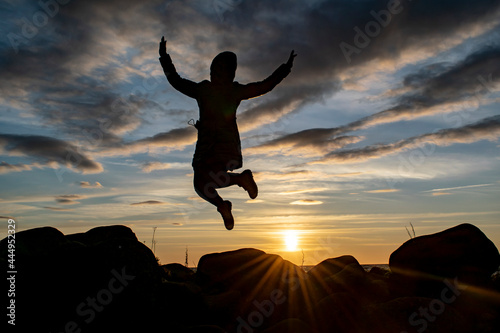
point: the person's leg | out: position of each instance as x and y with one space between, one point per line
205 185
223 179
245 180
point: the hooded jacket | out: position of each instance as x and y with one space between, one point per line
218 137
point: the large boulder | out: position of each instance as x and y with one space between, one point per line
292 325
101 280
269 288
337 313
341 274
178 273
462 252
332 266
412 315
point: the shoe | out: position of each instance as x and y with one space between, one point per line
247 182
225 210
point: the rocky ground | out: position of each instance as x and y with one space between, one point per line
105 280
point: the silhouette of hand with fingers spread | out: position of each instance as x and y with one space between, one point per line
290 59
163 47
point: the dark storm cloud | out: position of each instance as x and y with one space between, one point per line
74 68
314 141
263 33
174 139
486 129
435 89
48 151
467 81
7 167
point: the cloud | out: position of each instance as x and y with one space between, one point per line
306 202
85 184
486 129
58 209
435 194
148 202
175 139
310 142
196 199
289 100
254 201
48 151
434 89
385 190
451 86
458 187
69 199
308 190
7 167
284 176
96 80
68 75
300 175
151 166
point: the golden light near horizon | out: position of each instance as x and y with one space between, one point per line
291 240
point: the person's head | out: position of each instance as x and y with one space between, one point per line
223 67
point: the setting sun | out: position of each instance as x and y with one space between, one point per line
291 240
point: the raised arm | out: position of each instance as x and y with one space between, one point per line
255 89
185 86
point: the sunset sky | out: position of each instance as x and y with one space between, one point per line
390 116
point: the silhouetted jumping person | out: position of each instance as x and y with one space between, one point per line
218 149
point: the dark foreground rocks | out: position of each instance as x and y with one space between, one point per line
105 280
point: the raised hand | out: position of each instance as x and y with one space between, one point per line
290 59
163 47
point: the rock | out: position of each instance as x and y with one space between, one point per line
204 329
94 281
178 273
103 234
411 315
330 267
268 285
339 275
334 313
38 241
379 272
221 270
292 325
422 263
106 280
183 303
